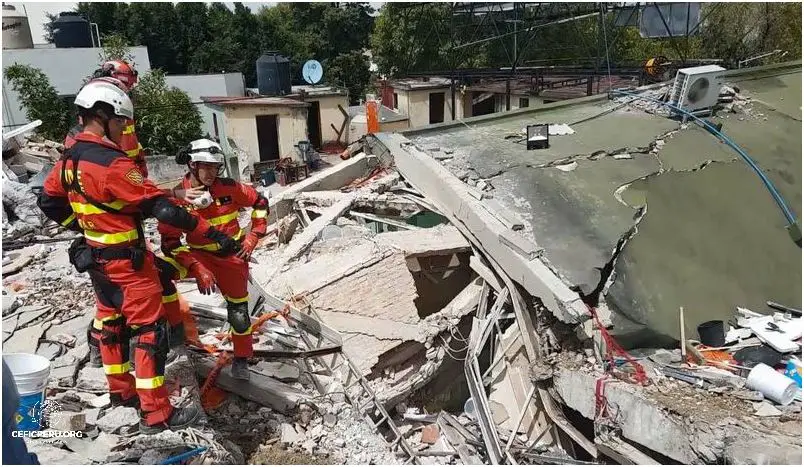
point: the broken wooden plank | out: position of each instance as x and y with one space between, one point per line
261 389
383 220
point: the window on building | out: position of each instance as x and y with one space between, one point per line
524 102
396 101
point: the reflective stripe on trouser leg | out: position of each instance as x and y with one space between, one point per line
114 354
150 353
242 340
170 296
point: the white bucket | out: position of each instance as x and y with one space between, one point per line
772 384
31 373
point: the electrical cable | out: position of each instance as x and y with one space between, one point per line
793 227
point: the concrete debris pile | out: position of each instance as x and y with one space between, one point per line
24 167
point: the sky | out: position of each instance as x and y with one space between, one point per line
37 13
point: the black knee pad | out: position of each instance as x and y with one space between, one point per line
237 313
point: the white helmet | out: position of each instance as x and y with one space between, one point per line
206 150
105 91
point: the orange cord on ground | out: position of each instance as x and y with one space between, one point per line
211 396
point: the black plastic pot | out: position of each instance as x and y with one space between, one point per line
712 333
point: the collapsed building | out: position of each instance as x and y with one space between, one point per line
449 296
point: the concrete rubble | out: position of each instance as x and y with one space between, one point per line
420 321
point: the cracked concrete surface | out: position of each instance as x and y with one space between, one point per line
711 237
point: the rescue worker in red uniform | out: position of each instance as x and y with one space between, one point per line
226 197
127 76
124 76
96 189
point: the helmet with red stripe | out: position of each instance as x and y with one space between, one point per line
120 70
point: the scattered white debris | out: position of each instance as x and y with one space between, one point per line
568 167
560 129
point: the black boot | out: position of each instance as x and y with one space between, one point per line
240 369
181 418
133 402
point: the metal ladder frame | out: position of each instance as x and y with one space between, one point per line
365 401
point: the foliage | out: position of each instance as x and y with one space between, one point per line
737 31
166 117
349 70
41 100
194 37
116 47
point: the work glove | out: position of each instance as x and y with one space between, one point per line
228 244
203 278
249 244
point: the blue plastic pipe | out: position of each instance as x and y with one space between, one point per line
184 456
788 214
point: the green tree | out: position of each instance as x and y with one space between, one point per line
41 100
737 31
116 47
351 71
166 117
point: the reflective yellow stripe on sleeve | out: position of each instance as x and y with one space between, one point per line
213 246
67 221
129 129
182 270
149 383
86 208
224 219
111 238
119 369
259 214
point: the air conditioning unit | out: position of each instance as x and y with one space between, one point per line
697 88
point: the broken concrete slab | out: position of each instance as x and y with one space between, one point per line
440 240
91 416
260 388
450 195
332 178
102 401
288 435
688 438
29 314
25 340
301 242
68 421
280 370
92 379
117 419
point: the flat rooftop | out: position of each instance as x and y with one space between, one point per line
696 226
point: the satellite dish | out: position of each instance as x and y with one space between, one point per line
312 72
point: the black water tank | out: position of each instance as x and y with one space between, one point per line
273 75
71 30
